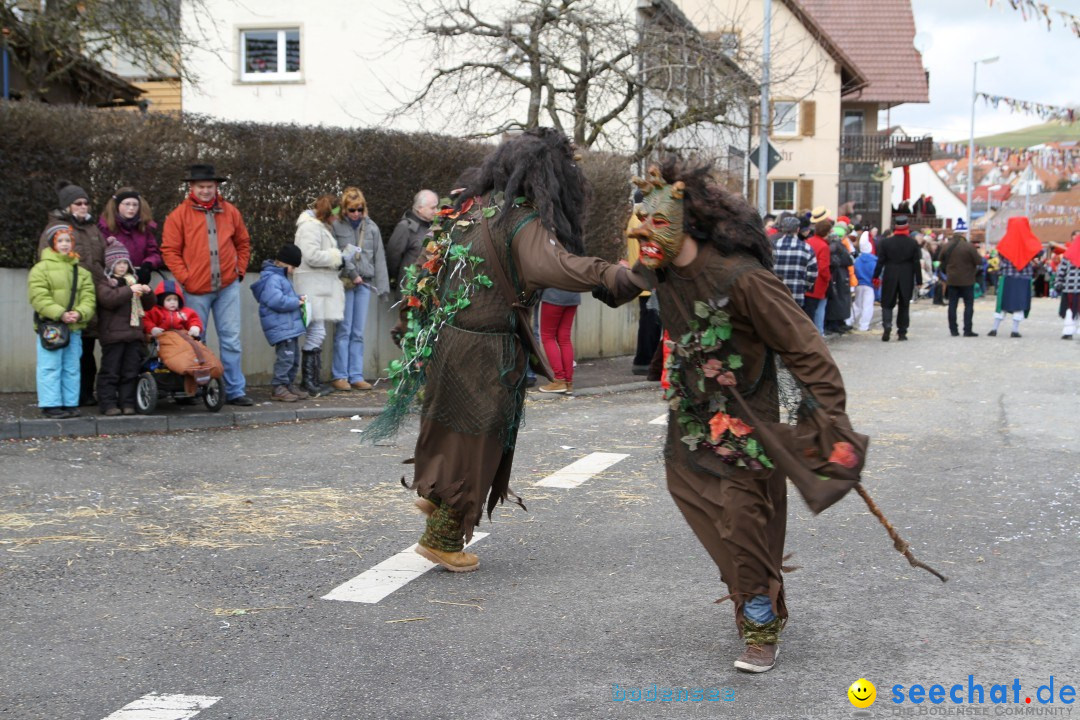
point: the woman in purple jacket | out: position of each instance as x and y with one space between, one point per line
128 218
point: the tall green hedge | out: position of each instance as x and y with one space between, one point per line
274 171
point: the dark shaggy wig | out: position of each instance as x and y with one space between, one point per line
713 214
538 165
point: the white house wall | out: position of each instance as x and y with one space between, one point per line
801 70
353 69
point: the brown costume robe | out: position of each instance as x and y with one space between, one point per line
740 515
474 394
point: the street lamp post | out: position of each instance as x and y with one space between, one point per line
971 143
765 126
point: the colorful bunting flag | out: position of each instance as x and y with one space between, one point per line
1046 112
1031 9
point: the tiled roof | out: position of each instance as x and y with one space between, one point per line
997 193
878 37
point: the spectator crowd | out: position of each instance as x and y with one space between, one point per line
837 272
92 285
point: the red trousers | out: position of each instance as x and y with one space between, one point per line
556 322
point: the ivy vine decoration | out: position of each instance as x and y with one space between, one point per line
429 301
698 368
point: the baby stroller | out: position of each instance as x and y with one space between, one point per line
201 375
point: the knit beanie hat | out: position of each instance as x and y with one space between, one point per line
165 288
114 253
126 195
68 192
55 230
289 254
788 224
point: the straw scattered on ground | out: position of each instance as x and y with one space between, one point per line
206 517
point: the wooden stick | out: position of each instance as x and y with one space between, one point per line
899 543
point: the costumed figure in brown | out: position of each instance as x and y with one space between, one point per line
734 327
514 229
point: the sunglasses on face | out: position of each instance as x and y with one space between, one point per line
356 209
81 202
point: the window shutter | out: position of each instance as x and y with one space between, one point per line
808 113
806 195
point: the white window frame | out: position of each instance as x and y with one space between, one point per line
281 75
794 196
793 116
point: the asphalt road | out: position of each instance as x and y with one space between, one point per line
194 563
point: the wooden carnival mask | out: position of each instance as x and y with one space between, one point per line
661 233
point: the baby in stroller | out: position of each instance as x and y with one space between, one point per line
170 313
178 366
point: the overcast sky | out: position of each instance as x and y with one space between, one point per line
1036 64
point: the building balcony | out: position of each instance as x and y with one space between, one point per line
898 149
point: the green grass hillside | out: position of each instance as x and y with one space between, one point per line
1026 137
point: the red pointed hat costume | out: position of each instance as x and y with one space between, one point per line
1019 245
1072 252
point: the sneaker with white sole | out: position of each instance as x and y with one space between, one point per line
758 658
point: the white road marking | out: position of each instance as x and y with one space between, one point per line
662 420
373 585
578 472
159 706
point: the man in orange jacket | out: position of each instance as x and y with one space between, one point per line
207 248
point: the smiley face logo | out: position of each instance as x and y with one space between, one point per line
862 693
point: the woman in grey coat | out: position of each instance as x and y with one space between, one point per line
363 273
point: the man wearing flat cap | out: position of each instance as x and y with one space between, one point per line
207 248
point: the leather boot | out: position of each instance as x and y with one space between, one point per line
326 389
309 366
453 561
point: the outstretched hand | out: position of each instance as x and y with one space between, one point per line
604 295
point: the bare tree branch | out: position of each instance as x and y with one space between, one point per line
581 65
50 39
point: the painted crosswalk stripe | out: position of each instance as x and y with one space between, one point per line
373 585
578 472
662 420
162 706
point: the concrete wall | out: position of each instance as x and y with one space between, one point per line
599 331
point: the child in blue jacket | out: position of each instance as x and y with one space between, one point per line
279 312
864 292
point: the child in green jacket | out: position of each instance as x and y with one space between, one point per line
49 291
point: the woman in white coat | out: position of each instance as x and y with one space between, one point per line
317 280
